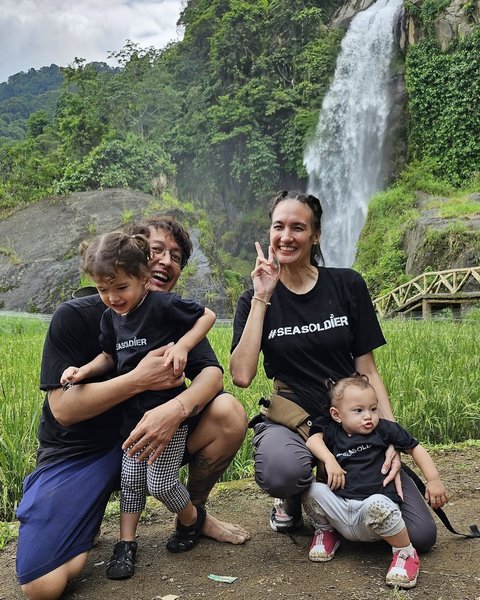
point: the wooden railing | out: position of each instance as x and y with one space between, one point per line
455 285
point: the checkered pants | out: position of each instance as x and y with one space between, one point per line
160 478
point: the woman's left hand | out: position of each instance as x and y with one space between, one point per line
391 468
435 493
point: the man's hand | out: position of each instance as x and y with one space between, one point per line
152 373
154 431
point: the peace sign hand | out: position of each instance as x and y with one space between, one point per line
266 273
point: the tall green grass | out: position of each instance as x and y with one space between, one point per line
21 342
432 372
431 369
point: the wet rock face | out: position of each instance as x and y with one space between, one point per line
39 258
345 14
458 19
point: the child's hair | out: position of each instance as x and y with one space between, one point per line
104 256
337 389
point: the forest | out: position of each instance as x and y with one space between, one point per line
220 119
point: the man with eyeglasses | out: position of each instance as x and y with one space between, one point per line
79 456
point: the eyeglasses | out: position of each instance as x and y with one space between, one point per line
159 251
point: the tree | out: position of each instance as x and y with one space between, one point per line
117 163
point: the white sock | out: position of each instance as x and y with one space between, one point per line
410 550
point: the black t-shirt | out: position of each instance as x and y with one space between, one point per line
161 318
362 456
310 337
73 339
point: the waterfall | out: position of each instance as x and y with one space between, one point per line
346 162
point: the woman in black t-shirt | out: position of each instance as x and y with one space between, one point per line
311 323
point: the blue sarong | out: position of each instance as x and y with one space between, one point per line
62 509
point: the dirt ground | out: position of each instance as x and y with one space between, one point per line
272 566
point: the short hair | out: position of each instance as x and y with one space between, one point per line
172 227
336 389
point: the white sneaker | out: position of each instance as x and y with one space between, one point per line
281 521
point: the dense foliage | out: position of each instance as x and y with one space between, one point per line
225 111
24 94
443 89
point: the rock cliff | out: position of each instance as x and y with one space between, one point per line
435 243
457 18
39 260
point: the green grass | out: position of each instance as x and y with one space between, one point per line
20 405
432 372
431 369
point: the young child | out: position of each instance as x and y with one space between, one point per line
135 322
354 501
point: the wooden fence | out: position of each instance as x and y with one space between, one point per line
432 290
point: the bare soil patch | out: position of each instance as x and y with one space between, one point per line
272 566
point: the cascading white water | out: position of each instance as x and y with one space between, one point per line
346 162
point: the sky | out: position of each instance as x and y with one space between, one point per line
37 33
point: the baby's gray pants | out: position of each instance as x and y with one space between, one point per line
366 520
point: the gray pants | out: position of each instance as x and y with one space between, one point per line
367 520
283 469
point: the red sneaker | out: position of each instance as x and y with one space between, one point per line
324 545
403 571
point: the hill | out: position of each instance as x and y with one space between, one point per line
39 259
24 94
35 91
